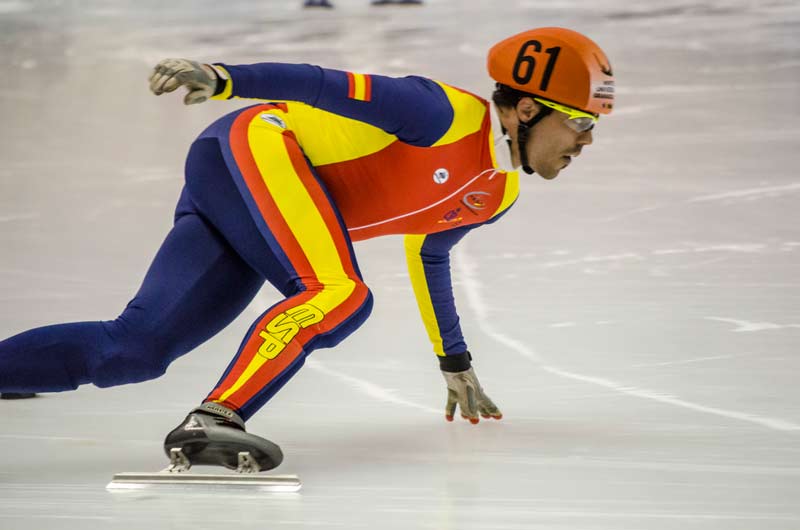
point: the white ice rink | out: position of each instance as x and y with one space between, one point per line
636 319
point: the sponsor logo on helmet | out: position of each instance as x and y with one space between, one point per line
441 175
274 120
604 92
605 68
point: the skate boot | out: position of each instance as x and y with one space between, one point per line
214 435
17 395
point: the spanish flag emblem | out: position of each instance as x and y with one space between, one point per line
359 86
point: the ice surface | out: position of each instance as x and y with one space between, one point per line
637 319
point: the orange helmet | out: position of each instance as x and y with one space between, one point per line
556 64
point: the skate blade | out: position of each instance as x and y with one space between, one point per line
192 481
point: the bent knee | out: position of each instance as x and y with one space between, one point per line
347 316
131 360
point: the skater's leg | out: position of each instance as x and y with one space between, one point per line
314 267
195 286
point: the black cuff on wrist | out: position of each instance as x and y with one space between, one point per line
221 83
455 362
220 87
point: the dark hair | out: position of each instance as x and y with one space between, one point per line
507 97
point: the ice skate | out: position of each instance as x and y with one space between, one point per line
214 435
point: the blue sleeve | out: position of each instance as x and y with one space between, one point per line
428 258
415 109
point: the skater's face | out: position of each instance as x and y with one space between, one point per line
551 144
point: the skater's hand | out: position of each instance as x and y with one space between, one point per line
464 390
199 79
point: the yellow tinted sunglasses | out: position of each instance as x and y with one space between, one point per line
579 121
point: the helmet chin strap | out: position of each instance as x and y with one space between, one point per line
523 131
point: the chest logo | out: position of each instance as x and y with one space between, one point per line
451 217
441 175
475 200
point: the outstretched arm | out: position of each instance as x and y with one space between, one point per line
415 109
428 258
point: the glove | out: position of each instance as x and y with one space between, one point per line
464 389
199 79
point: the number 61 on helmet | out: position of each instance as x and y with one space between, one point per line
557 64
